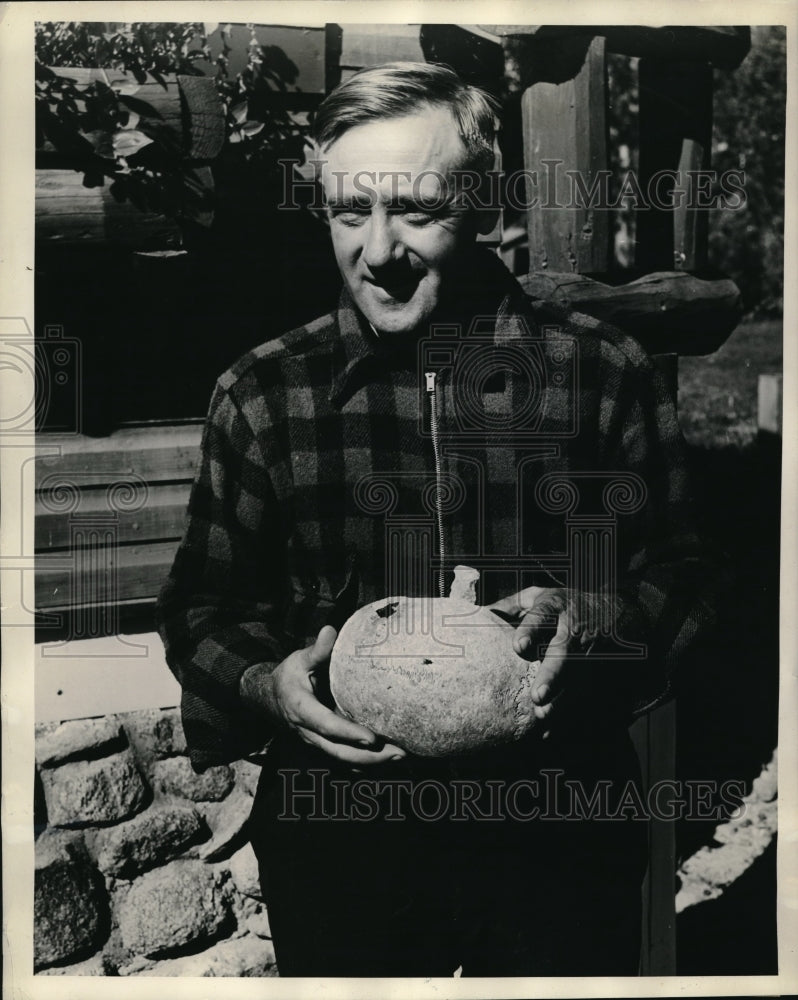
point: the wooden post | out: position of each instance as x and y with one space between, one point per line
675 136
654 737
769 403
565 130
668 365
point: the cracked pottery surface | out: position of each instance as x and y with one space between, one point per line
435 675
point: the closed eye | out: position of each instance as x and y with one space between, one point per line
420 218
350 216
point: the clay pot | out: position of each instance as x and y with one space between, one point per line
436 676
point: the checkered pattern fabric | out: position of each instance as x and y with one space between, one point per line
317 491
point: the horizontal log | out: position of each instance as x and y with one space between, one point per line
65 185
725 46
165 101
69 212
668 312
91 228
190 105
159 453
130 572
204 118
161 517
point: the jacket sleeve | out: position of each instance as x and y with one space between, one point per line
218 612
669 581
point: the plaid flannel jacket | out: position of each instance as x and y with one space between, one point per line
556 437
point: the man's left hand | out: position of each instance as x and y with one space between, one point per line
545 632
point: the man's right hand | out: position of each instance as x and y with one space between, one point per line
287 695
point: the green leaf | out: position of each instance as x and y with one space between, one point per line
131 119
252 128
126 142
239 112
100 142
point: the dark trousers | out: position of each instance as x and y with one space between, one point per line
404 878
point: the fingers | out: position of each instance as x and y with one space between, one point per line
319 652
517 604
304 711
549 677
539 626
318 725
353 755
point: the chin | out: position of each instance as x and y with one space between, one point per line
402 318
396 324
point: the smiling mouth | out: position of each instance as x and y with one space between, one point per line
399 291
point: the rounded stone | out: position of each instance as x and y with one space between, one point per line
183 903
244 869
258 923
97 965
228 822
80 738
70 912
155 733
247 775
93 791
175 776
151 838
244 957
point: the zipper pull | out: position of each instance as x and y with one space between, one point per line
430 377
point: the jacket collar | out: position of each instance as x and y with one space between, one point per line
489 291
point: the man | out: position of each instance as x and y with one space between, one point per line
440 403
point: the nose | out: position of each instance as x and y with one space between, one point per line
382 245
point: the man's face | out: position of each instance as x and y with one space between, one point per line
397 236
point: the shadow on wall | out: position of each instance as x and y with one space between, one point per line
154 332
728 705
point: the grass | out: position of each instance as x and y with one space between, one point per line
718 393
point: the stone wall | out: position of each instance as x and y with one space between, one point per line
142 866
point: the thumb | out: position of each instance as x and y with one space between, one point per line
320 651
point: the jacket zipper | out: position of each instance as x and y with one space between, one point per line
430 377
